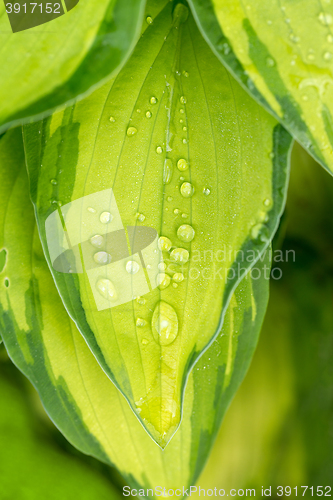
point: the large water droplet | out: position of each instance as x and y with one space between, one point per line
186 189
182 165
183 100
148 114
185 233
106 288
178 277
140 217
180 255
97 241
163 280
131 131
132 267
164 323
167 171
105 217
159 150
153 100
164 244
149 20
102 258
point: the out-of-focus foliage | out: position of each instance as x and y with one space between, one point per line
33 464
278 430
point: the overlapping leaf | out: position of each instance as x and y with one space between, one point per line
52 63
175 138
282 52
81 400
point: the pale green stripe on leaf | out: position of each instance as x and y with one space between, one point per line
172 101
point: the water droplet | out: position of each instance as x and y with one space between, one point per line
163 281
206 191
149 20
167 171
159 150
184 141
184 216
327 56
325 19
183 100
329 38
140 322
270 62
184 128
162 266
141 300
105 217
102 258
182 165
54 182
106 288
91 210
145 341
176 211
140 217
185 233
305 97
138 110
186 189
182 110
164 323
185 73
260 233
97 241
268 202
164 244
131 131
180 255
132 267
112 119
148 114
169 198
175 285
178 277
310 56
153 100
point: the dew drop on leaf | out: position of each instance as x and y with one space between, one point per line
186 189
159 150
178 277
97 241
105 217
185 233
153 100
180 255
182 165
164 244
164 323
102 258
132 267
167 171
106 288
163 280
140 322
131 131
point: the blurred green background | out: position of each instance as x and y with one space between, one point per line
279 428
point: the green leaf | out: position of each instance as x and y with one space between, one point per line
49 64
80 399
283 55
32 463
179 126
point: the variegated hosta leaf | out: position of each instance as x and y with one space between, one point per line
45 344
282 52
156 188
55 61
